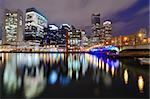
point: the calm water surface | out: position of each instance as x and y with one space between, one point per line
28 75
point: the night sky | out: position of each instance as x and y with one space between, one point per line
127 16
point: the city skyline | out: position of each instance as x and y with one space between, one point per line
74 48
80 12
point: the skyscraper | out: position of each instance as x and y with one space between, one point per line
53 35
107 29
35 22
13 27
95 18
1 14
75 38
64 30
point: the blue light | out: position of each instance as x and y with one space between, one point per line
81 57
116 63
53 77
64 80
106 48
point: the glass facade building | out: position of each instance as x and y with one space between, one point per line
35 22
13 27
107 30
95 19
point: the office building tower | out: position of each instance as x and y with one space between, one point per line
1 15
107 30
95 18
13 27
52 36
35 22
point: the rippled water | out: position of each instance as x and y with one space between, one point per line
44 75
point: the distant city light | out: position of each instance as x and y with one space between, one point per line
126 77
53 27
53 77
140 83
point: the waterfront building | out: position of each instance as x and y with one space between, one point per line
137 38
102 34
88 30
107 30
140 35
95 37
84 39
52 35
12 27
35 22
74 38
64 30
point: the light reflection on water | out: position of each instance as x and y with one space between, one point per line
126 76
32 73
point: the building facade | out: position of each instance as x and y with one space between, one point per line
35 22
131 40
75 39
96 27
84 39
107 30
52 36
13 27
2 10
64 30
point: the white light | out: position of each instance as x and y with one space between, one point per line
107 23
53 27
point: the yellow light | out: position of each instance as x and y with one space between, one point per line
44 56
62 55
97 62
103 65
140 83
58 59
112 41
144 40
140 35
107 67
125 38
126 76
106 42
112 70
100 61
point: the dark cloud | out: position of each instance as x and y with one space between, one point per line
78 12
130 20
75 12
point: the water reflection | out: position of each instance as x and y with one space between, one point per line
126 76
11 79
53 77
112 70
32 73
34 81
140 84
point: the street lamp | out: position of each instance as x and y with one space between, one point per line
125 39
106 43
112 41
144 40
140 35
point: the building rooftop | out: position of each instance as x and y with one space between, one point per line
35 10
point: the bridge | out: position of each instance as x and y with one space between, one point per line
101 47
